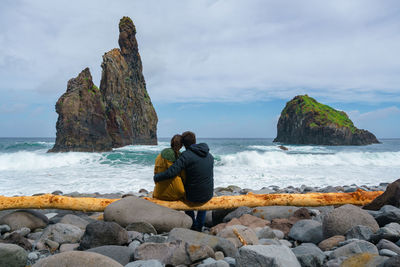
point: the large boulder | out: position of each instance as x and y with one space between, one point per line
356 247
391 196
25 218
121 254
174 253
308 231
342 219
266 256
133 209
62 233
77 259
197 238
309 255
103 233
12 255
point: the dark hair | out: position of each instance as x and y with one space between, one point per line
188 139
176 144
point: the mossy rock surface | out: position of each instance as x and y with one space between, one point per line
306 121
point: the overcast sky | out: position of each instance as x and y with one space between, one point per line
220 68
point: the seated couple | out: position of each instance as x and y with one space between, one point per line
185 176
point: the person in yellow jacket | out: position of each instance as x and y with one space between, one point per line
170 189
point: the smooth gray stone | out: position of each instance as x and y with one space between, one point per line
308 231
342 219
173 253
121 254
231 261
62 233
102 233
219 263
77 258
265 232
197 238
392 262
4 228
387 252
387 214
156 239
141 227
237 213
273 212
390 232
266 256
269 241
309 255
359 232
24 218
132 209
74 220
148 263
386 244
359 246
12 255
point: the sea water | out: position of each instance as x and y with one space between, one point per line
26 168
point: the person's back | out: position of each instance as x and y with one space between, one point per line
171 189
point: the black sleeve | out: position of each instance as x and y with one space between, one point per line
172 171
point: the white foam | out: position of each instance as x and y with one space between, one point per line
144 148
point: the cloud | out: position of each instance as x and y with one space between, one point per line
12 108
378 114
211 51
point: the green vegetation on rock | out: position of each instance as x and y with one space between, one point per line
323 115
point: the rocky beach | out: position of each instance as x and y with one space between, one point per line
135 232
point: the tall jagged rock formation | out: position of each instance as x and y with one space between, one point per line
305 121
119 113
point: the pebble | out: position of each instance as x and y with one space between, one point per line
33 256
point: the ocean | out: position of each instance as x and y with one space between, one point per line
26 168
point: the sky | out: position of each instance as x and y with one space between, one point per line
218 68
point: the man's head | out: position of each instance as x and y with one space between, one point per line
188 139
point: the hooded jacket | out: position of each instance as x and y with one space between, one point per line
199 166
170 189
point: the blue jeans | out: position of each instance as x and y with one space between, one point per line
200 219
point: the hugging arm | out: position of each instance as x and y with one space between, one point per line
172 171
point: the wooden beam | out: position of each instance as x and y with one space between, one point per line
49 201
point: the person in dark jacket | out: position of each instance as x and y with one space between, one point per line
199 166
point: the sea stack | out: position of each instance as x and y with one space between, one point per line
120 113
305 121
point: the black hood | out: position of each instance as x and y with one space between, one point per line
200 149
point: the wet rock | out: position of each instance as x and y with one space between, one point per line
194 237
24 218
77 258
103 233
62 233
356 247
141 227
237 213
174 253
308 231
390 197
121 254
74 220
132 209
266 256
359 232
12 255
309 255
342 219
